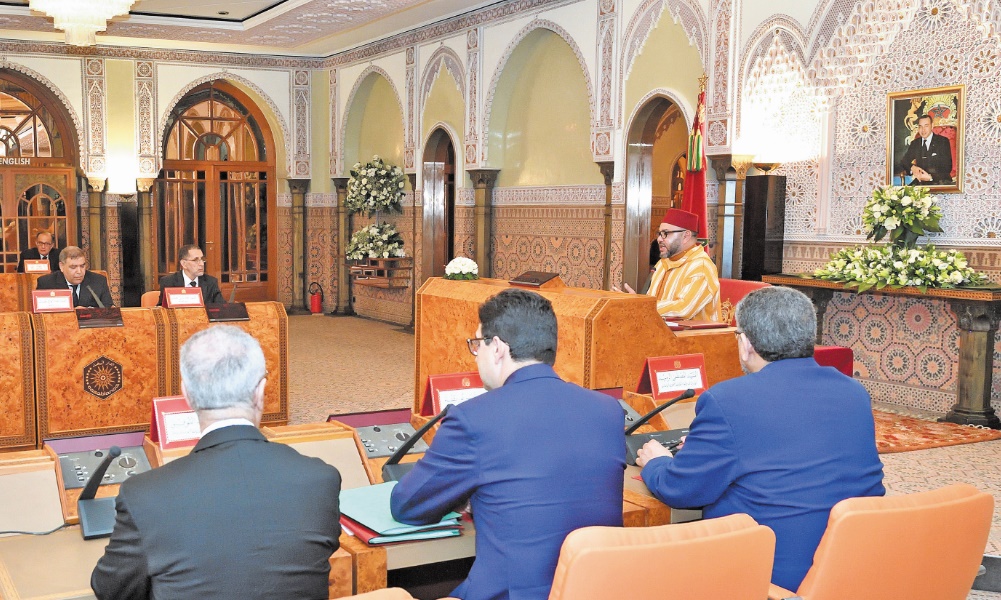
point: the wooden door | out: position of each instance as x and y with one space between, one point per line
35 200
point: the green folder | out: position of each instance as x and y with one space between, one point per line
370 507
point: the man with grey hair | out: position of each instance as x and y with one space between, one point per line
784 443
237 518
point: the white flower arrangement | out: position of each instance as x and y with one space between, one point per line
867 267
903 212
375 186
462 268
375 241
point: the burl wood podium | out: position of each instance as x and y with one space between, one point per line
604 337
17 402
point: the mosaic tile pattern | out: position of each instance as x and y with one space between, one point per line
284 259
323 259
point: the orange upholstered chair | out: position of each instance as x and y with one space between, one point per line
386 594
923 546
732 290
667 561
149 299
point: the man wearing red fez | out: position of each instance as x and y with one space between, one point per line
684 283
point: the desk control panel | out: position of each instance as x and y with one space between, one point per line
383 440
78 466
630 413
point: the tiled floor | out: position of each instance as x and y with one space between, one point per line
345 364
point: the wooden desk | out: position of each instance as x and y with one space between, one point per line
17 379
604 337
978 313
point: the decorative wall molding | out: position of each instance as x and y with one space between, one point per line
300 92
582 195
321 200
443 56
147 146
334 143
603 124
409 138
95 98
283 200
472 138
232 77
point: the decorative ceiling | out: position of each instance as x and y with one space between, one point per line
310 27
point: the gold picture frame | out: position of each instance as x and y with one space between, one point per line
908 160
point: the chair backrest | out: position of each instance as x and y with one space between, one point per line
149 299
729 558
923 546
730 293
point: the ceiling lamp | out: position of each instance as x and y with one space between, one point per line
81 19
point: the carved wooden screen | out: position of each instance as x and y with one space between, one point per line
217 190
37 174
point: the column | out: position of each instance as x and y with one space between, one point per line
95 189
731 171
483 188
978 324
608 172
343 236
298 187
147 256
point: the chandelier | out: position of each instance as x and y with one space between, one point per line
81 19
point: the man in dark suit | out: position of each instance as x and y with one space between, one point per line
191 262
44 250
88 287
536 457
784 443
239 518
929 157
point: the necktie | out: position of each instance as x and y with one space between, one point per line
76 293
927 144
194 283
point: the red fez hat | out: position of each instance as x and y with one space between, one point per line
682 218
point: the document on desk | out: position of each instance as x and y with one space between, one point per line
369 507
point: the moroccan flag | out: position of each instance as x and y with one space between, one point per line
694 195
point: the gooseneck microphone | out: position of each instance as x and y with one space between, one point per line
642 420
90 490
97 515
99 305
232 295
393 470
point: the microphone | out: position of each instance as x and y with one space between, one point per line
97 515
232 294
642 420
393 470
99 305
669 438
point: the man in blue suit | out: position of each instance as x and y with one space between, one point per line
784 443
535 456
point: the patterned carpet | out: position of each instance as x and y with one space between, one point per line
346 364
900 433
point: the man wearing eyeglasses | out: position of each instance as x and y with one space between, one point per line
535 456
192 274
44 250
685 282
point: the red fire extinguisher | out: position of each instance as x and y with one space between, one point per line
315 298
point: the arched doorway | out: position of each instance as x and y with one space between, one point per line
655 143
439 203
217 189
38 160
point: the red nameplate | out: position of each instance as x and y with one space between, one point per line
183 297
174 424
37 266
454 388
46 301
664 376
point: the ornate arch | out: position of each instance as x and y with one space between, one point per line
685 12
460 159
232 78
506 56
453 64
759 45
673 96
63 100
371 70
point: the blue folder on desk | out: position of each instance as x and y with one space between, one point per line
369 507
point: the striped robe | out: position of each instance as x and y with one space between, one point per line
687 287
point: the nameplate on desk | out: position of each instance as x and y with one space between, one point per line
87 318
453 388
46 301
224 312
174 424
664 376
39 267
183 297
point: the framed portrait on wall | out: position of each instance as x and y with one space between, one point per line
925 138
